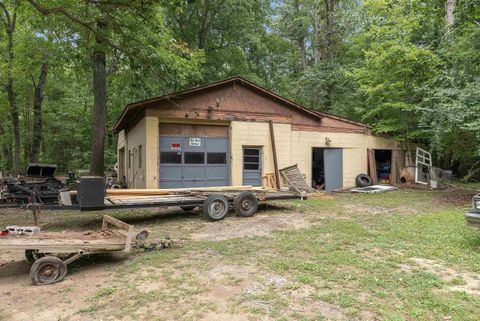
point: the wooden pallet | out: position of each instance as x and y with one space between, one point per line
295 180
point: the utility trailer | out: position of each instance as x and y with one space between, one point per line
215 203
51 252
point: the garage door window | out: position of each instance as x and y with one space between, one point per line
216 158
170 158
194 158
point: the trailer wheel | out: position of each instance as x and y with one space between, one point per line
187 208
47 270
215 207
245 204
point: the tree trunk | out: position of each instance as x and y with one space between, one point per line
37 134
318 36
10 28
202 32
449 12
301 41
303 54
5 155
99 104
329 25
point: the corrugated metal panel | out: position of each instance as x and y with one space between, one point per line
193 162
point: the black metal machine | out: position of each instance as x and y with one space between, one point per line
37 186
91 193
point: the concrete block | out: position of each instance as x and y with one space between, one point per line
23 230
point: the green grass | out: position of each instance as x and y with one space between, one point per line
363 261
104 292
358 255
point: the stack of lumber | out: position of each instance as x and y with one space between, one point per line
269 180
148 193
172 191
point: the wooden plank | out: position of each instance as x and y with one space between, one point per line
146 192
274 154
115 222
66 246
290 183
296 180
372 166
128 241
398 162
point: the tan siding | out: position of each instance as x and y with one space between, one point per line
258 134
136 137
295 147
121 144
151 151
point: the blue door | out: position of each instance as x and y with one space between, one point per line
252 166
333 168
193 162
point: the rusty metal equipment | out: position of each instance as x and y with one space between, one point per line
37 186
51 253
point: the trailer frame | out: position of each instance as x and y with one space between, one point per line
185 200
51 254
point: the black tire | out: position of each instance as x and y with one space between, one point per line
48 270
363 180
245 204
215 207
187 208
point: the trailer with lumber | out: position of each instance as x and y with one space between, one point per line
214 205
215 202
51 252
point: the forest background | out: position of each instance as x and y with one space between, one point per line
409 68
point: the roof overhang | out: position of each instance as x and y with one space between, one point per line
133 109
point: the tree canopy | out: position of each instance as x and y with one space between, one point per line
408 68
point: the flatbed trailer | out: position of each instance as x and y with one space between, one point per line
215 205
51 252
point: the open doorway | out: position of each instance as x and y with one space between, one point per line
318 169
383 163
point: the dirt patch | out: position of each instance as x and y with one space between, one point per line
258 225
458 198
455 280
22 301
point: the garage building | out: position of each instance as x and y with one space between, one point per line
219 134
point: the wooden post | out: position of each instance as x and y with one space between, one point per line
274 152
372 166
36 214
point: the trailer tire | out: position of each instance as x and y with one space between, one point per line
363 180
245 204
215 207
48 270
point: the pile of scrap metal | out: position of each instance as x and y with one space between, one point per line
38 186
